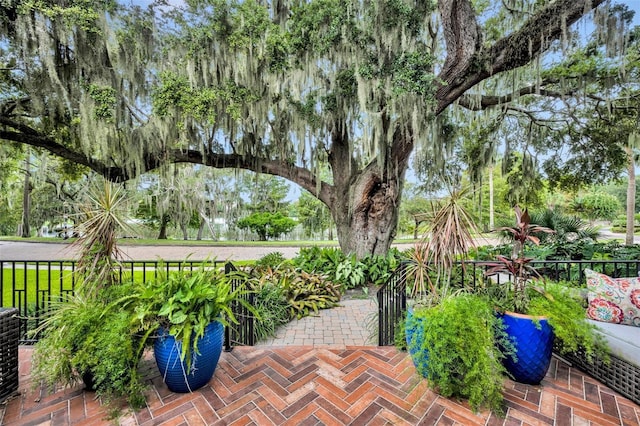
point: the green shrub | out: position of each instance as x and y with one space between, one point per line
380 268
304 292
307 293
324 260
563 306
596 205
350 273
455 348
346 270
619 224
84 336
271 306
271 260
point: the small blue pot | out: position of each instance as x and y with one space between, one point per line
533 342
174 371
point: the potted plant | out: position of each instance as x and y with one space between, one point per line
87 340
535 311
453 345
189 308
451 333
88 336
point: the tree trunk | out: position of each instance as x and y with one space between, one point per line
164 223
185 231
492 222
365 201
631 197
201 229
25 230
367 220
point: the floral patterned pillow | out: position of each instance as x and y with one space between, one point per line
615 300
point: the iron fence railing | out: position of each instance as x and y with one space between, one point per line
392 303
392 297
242 333
31 286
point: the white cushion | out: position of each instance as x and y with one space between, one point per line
623 340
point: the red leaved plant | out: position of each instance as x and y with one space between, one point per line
518 266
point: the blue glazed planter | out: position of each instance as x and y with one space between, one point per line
174 372
533 342
413 334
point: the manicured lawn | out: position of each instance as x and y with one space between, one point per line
156 242
52 280
31 282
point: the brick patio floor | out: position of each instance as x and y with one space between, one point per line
324 382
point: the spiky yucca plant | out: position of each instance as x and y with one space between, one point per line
447 239
103 215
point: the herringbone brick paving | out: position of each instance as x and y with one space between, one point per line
305 385
324 382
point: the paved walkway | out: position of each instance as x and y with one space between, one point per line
353 323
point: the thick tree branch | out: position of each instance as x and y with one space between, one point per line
462 37
299 175
482 102
510 52
26 135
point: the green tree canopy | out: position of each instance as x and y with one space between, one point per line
596 205
267 225
277 87
312 214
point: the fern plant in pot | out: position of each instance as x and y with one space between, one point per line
189 309
535 311
453 345
451 332
88 336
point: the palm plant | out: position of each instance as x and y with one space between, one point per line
565 227
572 237
448 239
102 216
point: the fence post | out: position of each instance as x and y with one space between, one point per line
9 336
228 268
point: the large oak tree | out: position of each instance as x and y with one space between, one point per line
277 87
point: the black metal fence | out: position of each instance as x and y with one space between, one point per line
392 304
31 286
392 297
241 334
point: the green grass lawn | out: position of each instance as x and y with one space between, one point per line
23 287
48 282
30 283
156 242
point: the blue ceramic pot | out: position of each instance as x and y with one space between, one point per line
174 371
414 327
532 338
